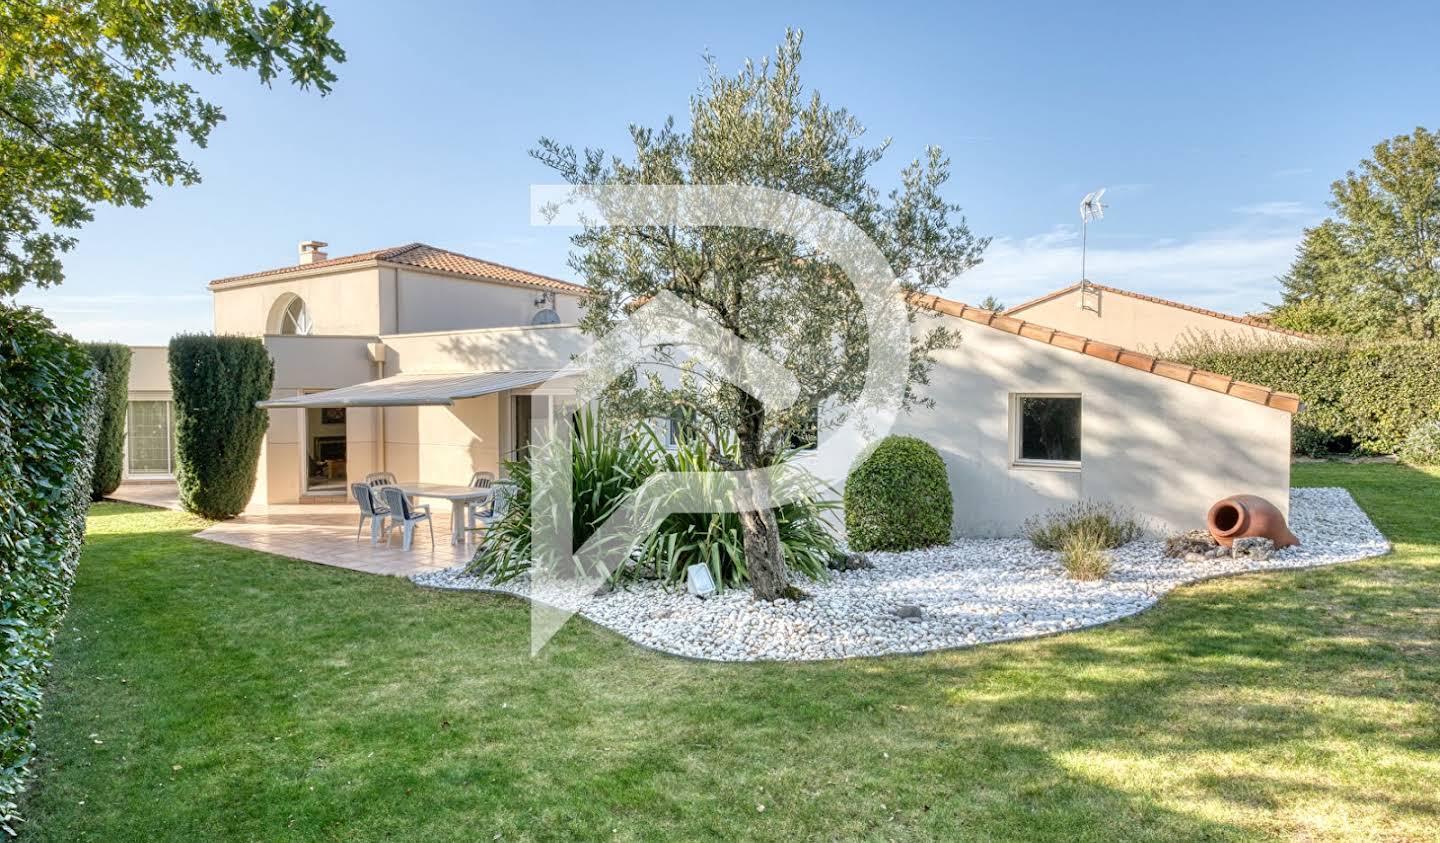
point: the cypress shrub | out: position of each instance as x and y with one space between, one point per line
1359 396
898 497
112 361
216 382
50 409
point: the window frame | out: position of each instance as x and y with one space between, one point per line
1017 418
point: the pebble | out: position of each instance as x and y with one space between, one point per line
973 591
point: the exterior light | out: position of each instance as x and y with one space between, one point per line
699 582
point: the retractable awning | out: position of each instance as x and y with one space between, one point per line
415 390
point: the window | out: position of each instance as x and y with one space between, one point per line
294 317
1046 430
148 438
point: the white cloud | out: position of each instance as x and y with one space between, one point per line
1232 271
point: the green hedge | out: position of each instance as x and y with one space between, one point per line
216 382
49 420
898 497
1359 396
112 361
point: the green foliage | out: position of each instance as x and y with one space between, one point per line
1082 551
1422 446
91 109
716 540
1373 270
1102 524
216 383
1358 395
112 361
897 497
608 461
50 409
761 128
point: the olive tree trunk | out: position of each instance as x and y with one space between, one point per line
764 560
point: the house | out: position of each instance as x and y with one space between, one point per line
1028 418
432 365
330 323
1134 320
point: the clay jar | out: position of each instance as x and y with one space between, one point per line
1246 516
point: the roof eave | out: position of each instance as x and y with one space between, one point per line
1181 372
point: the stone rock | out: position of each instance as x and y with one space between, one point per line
1257 548
850 562
1195 541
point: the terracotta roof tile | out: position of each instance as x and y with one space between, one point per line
1265 396
422 256
1241 320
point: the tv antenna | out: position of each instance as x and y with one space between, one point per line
1091 210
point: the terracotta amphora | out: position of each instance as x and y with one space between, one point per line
1244 516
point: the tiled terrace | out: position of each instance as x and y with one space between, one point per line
323 533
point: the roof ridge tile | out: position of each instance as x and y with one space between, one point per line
1148 363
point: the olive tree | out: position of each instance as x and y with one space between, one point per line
760 128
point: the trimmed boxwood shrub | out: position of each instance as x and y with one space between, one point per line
1359 396
49 419
898 497
112 361
216 382
1422 446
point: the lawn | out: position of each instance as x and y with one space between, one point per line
203 692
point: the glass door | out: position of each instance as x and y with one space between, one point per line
149 433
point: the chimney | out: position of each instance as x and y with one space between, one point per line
310 251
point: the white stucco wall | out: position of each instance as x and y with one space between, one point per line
339 303
149 371
382 300
485 350
1164 448
1137 324
434 302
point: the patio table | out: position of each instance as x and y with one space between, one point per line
460 498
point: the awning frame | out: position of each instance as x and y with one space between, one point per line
416 390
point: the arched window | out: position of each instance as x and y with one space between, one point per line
291 317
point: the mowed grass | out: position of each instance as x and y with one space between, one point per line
202 692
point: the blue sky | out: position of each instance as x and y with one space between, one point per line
1217 129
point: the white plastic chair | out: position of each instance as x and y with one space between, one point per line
480 480
405 516
501 495
369 509
377 479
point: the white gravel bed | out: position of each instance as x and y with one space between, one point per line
970 592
